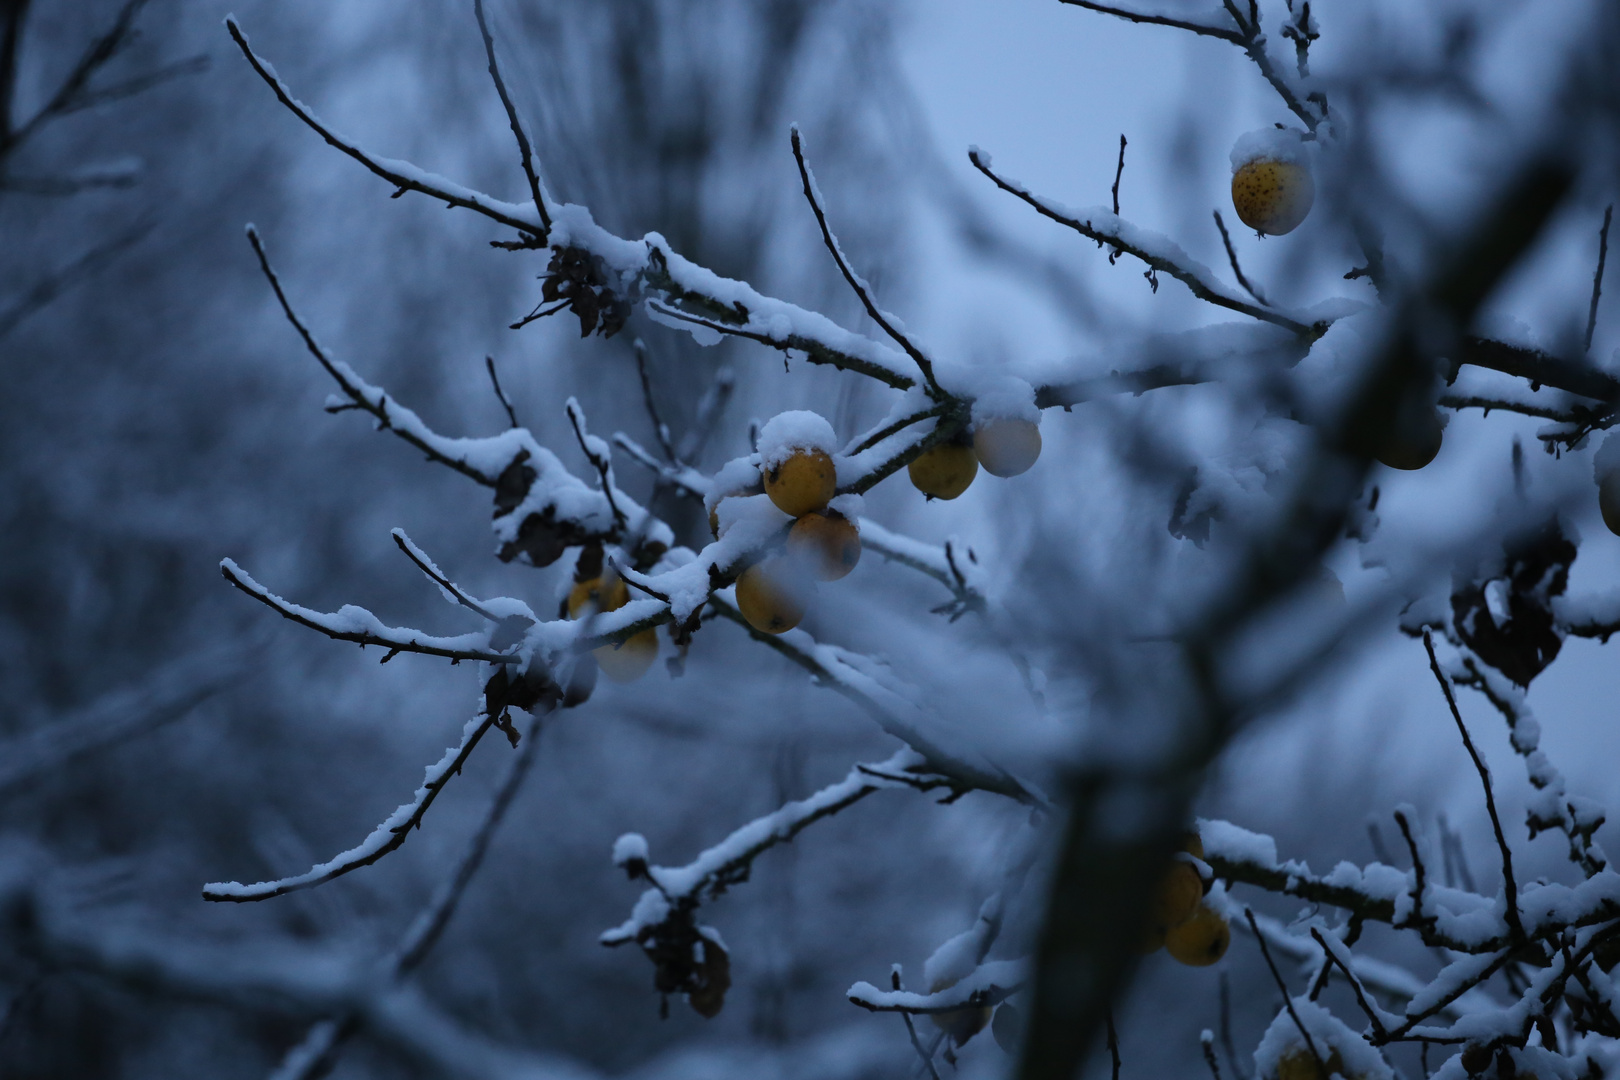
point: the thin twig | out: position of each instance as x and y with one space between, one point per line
660 429
494 380
400 826
1419 873
1113 1040
603 465
1597 278
449 194
1288 1001
525 153
1231 254
378 409
426 565
1119 170
101 50
1227 1046
1355 983
1159 20
911 1029
1206 1040
315 1055
862 290
709 409
48 288
1510 886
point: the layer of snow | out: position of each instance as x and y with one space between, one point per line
798 429
1271 144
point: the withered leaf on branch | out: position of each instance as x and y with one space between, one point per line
1527 640
688 961
579 277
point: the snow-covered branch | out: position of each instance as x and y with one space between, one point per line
383 839
1160 254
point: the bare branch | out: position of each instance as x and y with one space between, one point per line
52 285
1509 885
660 429
494 380
1355 983
1597 278
833 669
927 1055
525 154
1203 29
814 351
862 290
1231 255
1119 170
402 175
1288 999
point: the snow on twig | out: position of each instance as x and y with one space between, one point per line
1156 251
314 1055
351 623
892 707
731 860
990 984
383 839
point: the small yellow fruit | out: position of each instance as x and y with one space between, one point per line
1179 893
802 483
1007 447
1609 500
1413 441
1201 940
591 592
1298 1064
959 1025
829 543
944 471
1273 196
772 596
626 662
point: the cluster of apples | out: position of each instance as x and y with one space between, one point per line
1005 446
629 660
1179 921
822 543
